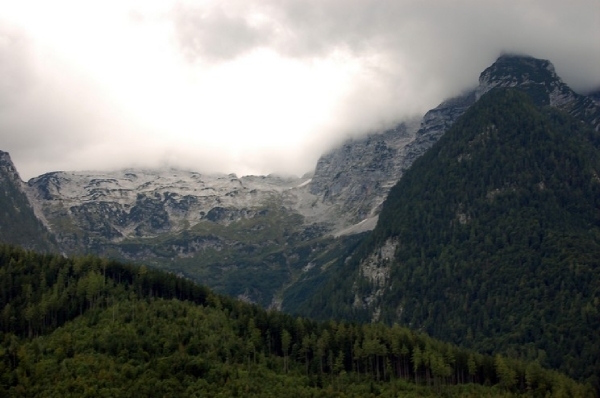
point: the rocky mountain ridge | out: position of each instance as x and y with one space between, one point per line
177 199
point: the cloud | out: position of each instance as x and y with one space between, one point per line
215 33
254 86
441 40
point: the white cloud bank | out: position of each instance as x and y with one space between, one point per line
253 86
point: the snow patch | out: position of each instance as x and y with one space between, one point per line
367 224
304 183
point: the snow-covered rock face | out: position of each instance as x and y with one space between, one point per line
124 186
148 202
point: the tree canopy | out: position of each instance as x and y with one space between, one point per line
92 327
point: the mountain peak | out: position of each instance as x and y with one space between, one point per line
535 76
522 68
7 168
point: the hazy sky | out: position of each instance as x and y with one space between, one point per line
253 86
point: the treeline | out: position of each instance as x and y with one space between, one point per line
90 326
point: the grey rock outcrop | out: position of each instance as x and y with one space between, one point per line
19 223
8 172
356 176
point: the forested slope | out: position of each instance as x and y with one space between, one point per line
92 327
497 236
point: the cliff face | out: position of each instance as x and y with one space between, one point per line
8 172
18 222
356 176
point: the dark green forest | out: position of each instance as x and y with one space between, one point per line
498 231
94 327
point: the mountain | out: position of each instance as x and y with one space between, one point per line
18 222
490 240
87 326
267 239
442 256
344 165
357 176
105 208
244 236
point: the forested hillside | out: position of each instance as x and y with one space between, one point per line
497 239
93 327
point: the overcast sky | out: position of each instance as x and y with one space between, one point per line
253 86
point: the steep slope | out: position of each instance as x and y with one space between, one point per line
18 222
492 239
355 178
